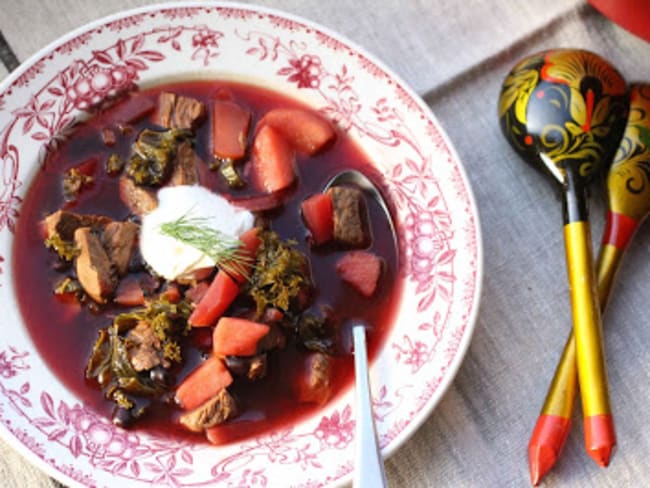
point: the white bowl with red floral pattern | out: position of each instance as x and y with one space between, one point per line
440 238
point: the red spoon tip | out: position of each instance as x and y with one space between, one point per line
540 461
545 445
600 438
601 455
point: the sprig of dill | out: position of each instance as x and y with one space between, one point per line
223 249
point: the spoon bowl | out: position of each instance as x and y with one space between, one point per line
628 185
564 111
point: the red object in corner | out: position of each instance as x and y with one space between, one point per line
545 444
633 15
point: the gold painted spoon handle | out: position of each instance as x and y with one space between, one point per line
600 436
554 422
587 328
562 391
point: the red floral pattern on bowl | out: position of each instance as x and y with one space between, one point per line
437 220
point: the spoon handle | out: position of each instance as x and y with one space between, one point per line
369 466
554 422
600 437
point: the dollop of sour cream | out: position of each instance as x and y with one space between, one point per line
170 257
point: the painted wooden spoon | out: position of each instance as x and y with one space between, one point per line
564 111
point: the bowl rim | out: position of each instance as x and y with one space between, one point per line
424 413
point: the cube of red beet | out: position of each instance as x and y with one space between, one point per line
361 269
230 123
318 215
272 161
305 130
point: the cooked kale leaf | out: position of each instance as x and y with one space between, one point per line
314 335
73 182
65 249
114 164
281 278
154 153
318 333
114 363
229 172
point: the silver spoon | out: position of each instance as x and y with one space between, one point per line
369 465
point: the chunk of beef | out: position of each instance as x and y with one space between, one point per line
249 367
188 112
119 239
272 315
144 348
196 292
65 223
93 267
139 199
314 384
186 166
109 138
166 104
350 216
179 112
193 277
129 293
274 339
215 411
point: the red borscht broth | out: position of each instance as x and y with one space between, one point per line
275 388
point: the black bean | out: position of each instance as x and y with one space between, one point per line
122 417
159 375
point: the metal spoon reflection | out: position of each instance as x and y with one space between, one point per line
369 465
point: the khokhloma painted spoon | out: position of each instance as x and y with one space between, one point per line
564 111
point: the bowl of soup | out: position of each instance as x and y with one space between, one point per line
177 279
